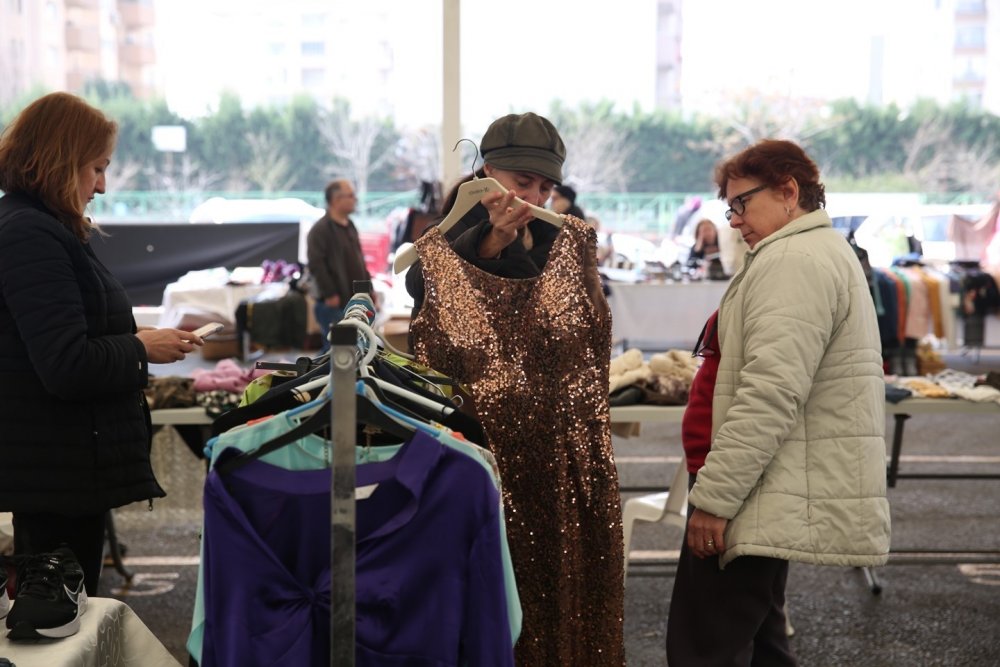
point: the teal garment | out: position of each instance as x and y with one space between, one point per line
314 453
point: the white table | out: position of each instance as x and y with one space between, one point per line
932 406
662 315
623 414
674 413
110 635
188 305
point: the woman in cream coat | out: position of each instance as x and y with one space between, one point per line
796 469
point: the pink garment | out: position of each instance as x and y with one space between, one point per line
971 237
227 375
918 312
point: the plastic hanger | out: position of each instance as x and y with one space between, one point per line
369 412
370 346
469 194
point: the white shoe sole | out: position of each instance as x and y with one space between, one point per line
70 628
24 631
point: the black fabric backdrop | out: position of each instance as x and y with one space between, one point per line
146 256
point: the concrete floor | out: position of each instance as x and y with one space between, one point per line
940 602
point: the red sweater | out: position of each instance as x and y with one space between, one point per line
696 426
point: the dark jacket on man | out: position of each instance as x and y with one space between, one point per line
515 261
335 259
74 424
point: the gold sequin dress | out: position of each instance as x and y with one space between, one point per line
535 354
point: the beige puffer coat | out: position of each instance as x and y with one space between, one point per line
798 451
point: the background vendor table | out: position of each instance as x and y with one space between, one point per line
110 635
207 303
628 413
662 315
931 406
674 413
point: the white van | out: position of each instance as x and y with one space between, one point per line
884 235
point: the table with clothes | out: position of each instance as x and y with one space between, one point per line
946 392
212 295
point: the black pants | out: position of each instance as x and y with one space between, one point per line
37 533
728 617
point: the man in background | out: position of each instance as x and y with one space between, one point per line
333 250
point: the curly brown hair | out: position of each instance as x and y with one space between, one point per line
43 149
774 162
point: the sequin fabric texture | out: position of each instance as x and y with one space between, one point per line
535 354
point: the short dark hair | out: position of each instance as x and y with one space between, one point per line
332 188
773 162
567 192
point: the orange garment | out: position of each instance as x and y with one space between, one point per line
918 311
900 304
933 286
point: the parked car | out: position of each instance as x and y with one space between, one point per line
285 209
887 235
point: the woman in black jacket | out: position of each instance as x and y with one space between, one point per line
74 421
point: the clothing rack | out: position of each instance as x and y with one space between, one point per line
343 404
343 339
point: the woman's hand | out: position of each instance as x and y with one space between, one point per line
506 220
706 534
164 346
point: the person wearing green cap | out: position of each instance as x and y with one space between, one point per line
512 308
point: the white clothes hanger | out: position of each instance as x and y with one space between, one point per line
469 194
358 308
371 349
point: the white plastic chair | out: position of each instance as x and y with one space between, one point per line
669 506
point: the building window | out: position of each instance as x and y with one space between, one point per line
971 69
313 77
970 7
313 20
313 49
970 37
973 98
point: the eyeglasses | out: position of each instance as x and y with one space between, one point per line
738 204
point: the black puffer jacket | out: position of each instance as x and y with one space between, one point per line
74 424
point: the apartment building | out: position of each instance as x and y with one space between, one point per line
64 44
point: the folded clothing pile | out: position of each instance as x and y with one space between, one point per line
664 379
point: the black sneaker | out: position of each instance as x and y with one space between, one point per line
50 597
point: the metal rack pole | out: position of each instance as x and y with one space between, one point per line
343 351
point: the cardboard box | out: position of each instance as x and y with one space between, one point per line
221 347
395 332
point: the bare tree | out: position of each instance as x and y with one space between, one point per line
937 163
126 173
354 143
418 155
270 167
192 177
755 116
597 155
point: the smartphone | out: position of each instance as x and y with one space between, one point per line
209 329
